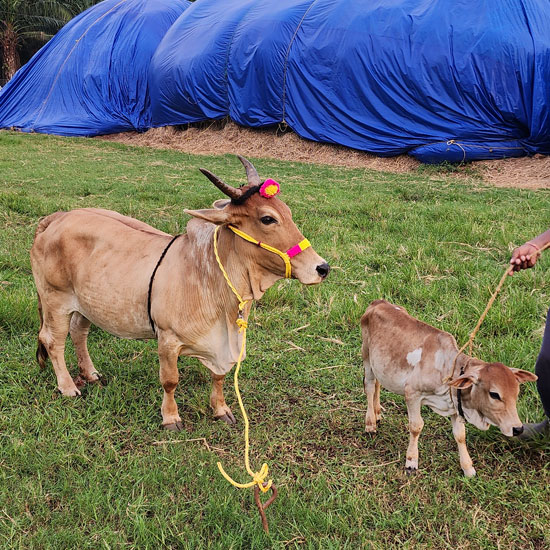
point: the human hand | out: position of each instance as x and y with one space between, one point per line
524 257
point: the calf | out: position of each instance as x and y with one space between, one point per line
422 363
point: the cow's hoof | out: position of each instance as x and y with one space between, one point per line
97 378
410 471
370 429
79 382
470 472
70 392
228 418
174 427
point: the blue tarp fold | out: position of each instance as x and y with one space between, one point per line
91 78
384 76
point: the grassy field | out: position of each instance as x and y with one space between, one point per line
98 472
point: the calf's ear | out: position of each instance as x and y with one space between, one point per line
212 215
470 377
524 375
464 381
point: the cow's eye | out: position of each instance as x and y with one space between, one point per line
494 395
268 220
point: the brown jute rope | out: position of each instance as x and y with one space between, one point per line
470 341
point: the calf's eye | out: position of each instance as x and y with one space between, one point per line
268 220
494 395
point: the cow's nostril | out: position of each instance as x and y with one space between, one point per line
517 431
323 269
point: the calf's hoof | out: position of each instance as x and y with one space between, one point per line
95 378
228 418
469 472
174 427
411 470
370 429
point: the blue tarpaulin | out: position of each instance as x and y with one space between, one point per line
91 78
439 79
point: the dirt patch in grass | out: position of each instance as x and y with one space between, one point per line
525 172
221 137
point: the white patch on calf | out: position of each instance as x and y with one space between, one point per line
439 360
413 358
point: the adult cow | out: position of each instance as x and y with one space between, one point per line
134 281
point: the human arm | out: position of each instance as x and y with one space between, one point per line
526 255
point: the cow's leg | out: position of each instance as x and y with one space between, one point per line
370 383
169 377
52 335
415 427
79 328
217 400
459 431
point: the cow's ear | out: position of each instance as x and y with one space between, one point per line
463 382
212 215
220 204
524 375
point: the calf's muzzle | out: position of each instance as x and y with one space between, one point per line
517 430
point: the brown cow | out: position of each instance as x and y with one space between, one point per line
411 358
96 266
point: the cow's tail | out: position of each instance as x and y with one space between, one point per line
41 351
46 221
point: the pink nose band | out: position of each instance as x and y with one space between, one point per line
300 247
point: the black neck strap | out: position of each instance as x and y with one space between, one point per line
459 403
151 282
459 398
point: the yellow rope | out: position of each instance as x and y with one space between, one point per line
242 302
258 478
283 255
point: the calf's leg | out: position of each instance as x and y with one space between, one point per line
371 385
415 427
459 431
377 406
217 400
79 329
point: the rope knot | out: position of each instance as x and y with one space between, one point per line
259 479
242 324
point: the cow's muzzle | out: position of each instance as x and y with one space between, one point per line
323 269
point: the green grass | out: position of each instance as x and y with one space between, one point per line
89 472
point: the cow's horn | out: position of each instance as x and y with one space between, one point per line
251 173
231 192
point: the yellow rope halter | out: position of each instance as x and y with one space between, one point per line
258 478
301 246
